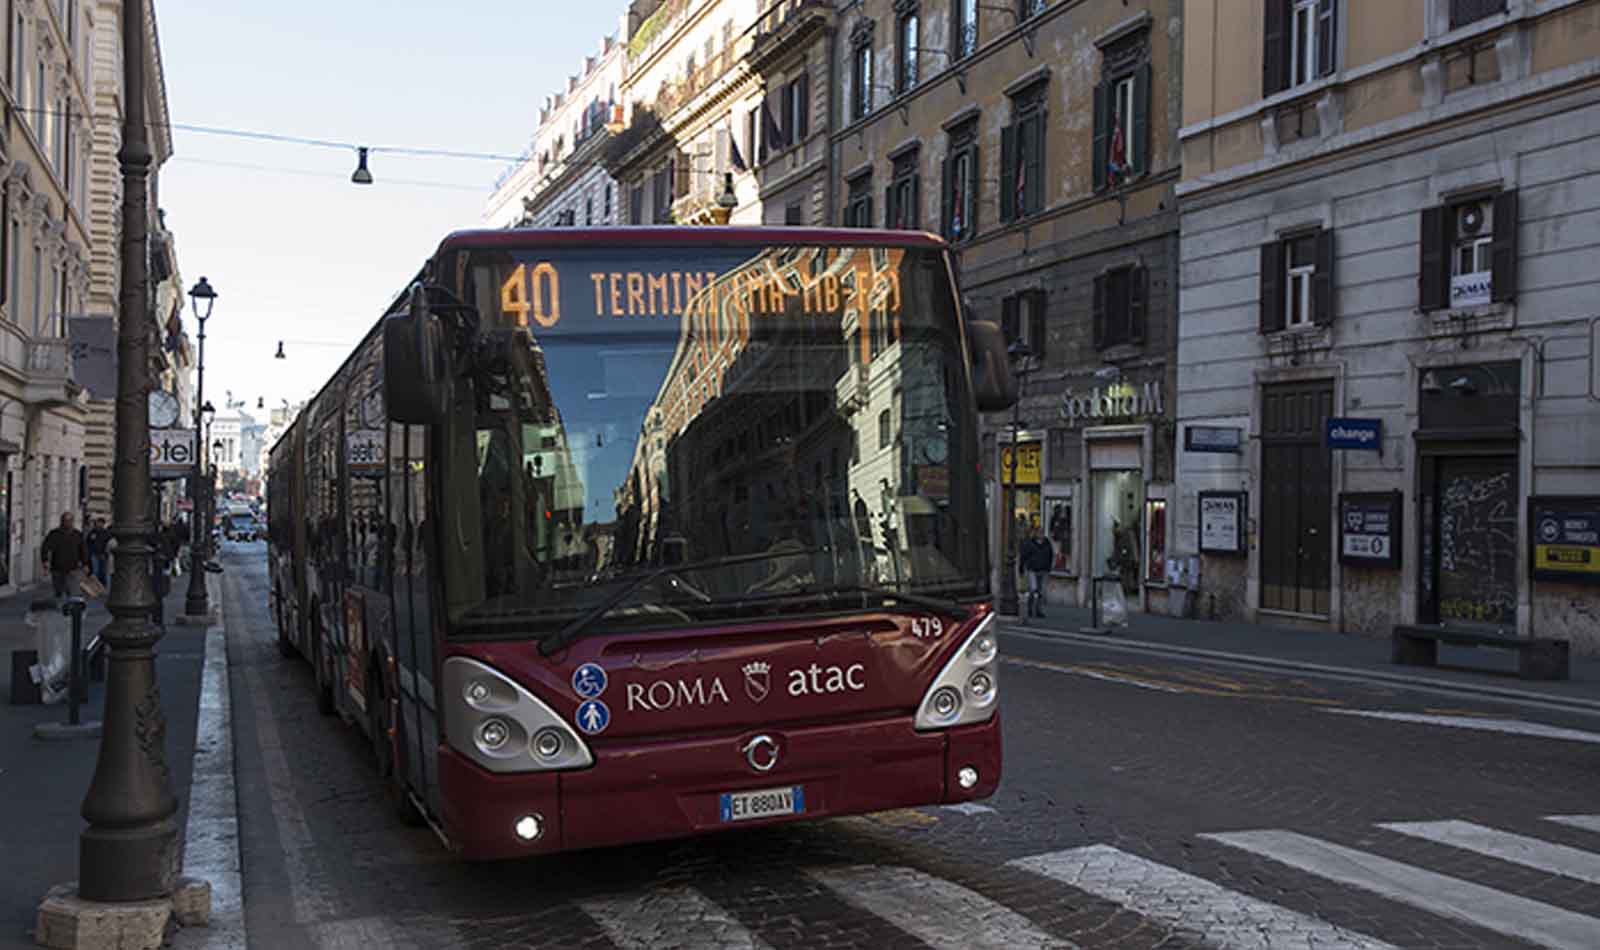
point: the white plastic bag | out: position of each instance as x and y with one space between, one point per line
55 646
1113 608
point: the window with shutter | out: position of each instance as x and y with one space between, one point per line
1102 132
1271 287
1010 321
1503 261
1008 173
1121 136
858 204
1463 12
1036 325
959 184
1274 56
1119 307
1022 171
1322 281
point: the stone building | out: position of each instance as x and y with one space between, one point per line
49 229
1041 139
1386 363
560 181
686 96
785 135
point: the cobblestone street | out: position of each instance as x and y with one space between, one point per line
1146 803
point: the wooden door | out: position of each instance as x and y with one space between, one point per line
1296 498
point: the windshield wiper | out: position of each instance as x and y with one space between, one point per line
952 608
561 638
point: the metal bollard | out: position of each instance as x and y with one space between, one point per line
76 683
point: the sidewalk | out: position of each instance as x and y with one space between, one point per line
1488 671
43 783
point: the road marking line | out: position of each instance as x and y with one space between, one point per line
1439 894
1516 727
1220 917
669 917
940 913
1584 822
1095 674
1517 849
211 836
970 808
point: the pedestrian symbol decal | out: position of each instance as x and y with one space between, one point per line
593 717
589 681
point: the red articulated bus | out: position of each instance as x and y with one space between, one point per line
613 535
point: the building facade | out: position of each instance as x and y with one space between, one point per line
1041 140
784 136
1386 363
560 181
687 93
44 273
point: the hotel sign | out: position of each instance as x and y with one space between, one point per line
1116 402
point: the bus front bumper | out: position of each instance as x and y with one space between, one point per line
643 791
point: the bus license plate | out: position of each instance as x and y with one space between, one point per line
764 803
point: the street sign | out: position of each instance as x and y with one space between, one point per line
1369 528
1358 434
1227 439
1566 538
171 453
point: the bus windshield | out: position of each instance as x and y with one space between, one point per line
786 427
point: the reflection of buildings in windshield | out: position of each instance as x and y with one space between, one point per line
782 422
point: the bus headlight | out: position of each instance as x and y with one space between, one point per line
502 726
966 690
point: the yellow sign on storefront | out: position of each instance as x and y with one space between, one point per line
1029 463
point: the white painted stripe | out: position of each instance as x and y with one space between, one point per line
669 917
1217 916
1505 846
1515 727
970 808
211 836
1585 822
1485 907
940 913
1094 675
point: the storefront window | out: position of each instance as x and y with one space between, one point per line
1118 501
5 534
1060 534
1022 487
1155 520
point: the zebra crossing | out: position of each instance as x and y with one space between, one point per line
945 914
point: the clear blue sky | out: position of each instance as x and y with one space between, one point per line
295 251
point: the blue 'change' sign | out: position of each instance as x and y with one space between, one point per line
1358 434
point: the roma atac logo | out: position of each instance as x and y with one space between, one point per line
757 680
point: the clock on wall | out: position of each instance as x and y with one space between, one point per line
163 410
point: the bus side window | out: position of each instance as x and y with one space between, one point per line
400 553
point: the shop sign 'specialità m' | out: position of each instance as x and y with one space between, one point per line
1116 401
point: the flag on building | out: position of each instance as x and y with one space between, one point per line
1117 152
734 156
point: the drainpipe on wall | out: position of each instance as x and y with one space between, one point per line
831 33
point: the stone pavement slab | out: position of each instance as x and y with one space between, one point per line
42 783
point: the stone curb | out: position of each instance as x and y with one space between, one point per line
1566 703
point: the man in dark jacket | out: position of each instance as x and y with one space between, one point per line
64 553
1037 556
99 543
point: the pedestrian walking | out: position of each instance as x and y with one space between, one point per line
1038 556
64 553
164 552
99 543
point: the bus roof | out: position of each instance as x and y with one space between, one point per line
685 237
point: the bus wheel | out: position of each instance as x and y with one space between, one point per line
324 688
394 786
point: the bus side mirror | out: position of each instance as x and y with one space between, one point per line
415 371
992 381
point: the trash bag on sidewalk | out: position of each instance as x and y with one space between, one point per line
1113 607
55 648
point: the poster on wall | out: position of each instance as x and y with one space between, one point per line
1369 528
1566 538
1058 512
1222 516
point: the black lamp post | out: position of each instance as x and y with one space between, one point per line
130 851
1019 355
196 603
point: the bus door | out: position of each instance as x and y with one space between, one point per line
413 624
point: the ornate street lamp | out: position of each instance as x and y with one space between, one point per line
1019 354
130 851
196 603
726 202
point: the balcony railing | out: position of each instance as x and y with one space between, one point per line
49 360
